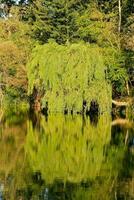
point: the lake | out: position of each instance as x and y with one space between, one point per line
65 157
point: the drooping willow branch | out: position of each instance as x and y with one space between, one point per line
68 76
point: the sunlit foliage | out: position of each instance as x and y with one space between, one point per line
69 75
14 51
13 73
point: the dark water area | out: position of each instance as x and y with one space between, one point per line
62 157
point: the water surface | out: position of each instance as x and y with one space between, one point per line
65 158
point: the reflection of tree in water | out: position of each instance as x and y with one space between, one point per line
63 158
15 176
126 176
12 141
67 150
73 157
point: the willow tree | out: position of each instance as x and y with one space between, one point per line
69 75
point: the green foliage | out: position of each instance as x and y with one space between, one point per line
55 19
95 26
69 22
93 22
114 60
69 75
15 46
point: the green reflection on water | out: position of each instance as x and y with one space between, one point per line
62 157
67 148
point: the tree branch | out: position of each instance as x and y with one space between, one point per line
120 103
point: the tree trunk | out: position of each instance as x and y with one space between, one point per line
35 100
120 103
1 97
119 25
127 87
122 122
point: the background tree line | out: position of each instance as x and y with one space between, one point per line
26 23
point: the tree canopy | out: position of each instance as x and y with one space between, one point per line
69 75
26 24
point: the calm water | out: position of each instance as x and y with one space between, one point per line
65 158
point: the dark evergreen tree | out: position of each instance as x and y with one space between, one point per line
56 19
